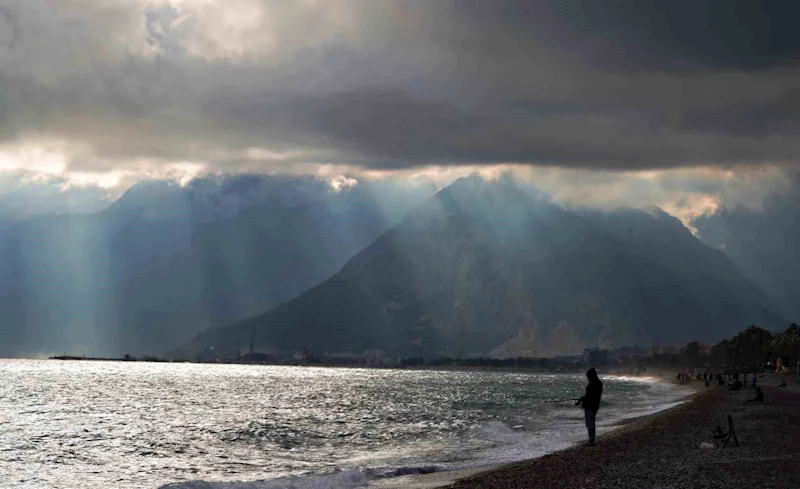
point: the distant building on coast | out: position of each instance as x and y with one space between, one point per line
595 357
629 354
304 355
375 358
344 359
566 361
258 357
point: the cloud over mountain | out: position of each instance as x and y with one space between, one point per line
261 85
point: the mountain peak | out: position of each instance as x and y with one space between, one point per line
483 266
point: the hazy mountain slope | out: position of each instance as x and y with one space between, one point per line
486 267
167 261
763 243
702 271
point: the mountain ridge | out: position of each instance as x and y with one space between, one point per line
166 261
489 268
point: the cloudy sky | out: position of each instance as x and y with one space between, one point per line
687 105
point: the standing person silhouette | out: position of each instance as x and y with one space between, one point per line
591 402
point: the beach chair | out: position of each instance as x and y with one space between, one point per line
722 437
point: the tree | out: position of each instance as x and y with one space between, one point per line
693 349
748 347
786 344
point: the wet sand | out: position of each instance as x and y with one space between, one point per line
664 450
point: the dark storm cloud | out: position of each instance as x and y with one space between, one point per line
680 35
614 84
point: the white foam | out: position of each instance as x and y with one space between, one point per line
562 428
497 431
336 480
630 378
401 471
493 442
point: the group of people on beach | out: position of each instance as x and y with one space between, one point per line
735 384
731 378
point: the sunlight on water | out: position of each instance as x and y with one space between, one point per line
97 425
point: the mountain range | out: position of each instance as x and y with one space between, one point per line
165 261
340 266
495 268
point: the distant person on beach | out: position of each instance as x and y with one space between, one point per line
754 381
591 401
759 396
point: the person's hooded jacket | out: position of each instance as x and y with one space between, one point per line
591 400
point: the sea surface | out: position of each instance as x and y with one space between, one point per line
104 425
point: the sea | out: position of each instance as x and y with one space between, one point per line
136 425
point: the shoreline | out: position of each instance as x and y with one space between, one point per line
664 449
452 478
622 370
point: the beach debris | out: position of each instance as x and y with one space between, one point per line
707 446
723 437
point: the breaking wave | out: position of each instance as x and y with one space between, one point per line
335 480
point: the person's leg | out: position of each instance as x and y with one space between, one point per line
590 415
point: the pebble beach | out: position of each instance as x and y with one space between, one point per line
671 449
